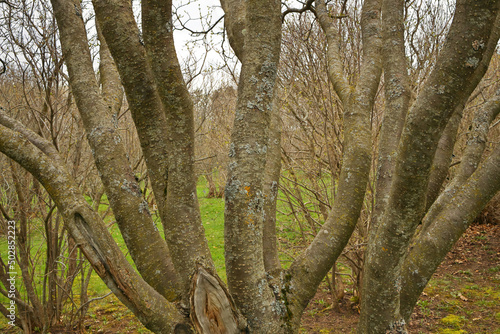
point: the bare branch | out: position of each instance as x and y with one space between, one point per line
4 67
307 6
203 32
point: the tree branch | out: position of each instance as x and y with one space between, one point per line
443 155
471 158
181 215
308 270
452 221
92 236
204 32
235 24
397 98
4 67
335 68
243 230
41 143
131 211
307 6
447 86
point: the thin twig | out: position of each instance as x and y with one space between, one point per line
92 300
205 158
204 32
4 67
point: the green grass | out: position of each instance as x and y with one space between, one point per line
212 216
444 302
38 248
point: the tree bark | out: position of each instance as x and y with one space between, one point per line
446 144
436 241
443 157
244 197
125 44
147 248
182 219
162 111
271 184
445 88
397 99
235 23
471 158
88 230
309 269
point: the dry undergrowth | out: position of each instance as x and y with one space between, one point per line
462 297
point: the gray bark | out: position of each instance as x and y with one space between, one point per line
260 297
271 184
445 88
182 220
397 99
244 193
444 150
443 157
471 158
130 210
452 221
310 268
88 230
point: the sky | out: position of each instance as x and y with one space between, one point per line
198 53
193 50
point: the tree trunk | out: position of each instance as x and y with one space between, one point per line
271 182
124 194
244 193
88 230
424 126
309 269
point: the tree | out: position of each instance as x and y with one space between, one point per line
176 288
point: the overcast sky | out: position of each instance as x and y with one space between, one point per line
199 16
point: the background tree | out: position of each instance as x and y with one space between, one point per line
214 115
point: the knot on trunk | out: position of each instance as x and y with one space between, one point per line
212 308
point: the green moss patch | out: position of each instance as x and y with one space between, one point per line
452 320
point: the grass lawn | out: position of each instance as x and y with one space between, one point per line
212 216
463 296
212 212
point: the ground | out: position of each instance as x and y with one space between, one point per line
462 297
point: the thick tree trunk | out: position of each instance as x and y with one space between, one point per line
162 111
397 99
471 158
446 87
244 194
235 23
261 298
308 270
88 230
129 54
271 182
182 220
446 144
436 241
147 248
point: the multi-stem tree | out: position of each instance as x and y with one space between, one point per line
175 288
